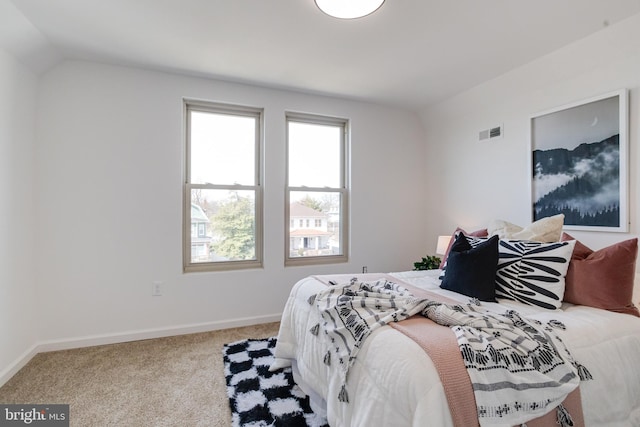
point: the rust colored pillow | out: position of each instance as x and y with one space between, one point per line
478 233
603 278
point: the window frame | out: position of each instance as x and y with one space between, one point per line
190 105
343 190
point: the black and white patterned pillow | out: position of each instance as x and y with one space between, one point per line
532 272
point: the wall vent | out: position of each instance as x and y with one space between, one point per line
491 133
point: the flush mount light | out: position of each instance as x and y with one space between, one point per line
348 9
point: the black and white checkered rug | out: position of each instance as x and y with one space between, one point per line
259 398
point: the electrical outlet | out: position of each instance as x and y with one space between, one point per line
364 269
156 288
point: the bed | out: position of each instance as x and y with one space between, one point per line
394 383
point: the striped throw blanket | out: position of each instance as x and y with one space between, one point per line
519 368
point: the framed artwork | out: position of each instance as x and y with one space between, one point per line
579 163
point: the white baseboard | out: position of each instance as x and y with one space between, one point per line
145 334
18 364
142 334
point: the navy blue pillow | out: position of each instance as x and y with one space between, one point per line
471 271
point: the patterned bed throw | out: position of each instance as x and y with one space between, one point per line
519 369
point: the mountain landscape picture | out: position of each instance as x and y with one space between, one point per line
583 183
577 159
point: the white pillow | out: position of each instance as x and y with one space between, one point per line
544 230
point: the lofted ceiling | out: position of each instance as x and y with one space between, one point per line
410 53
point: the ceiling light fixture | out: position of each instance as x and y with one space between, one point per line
348 9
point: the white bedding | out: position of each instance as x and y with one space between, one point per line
393 381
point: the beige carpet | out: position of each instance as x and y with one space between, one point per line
174 381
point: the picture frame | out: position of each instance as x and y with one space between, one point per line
579 163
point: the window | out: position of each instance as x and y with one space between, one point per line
317 192
222 212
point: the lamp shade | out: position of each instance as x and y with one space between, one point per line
443 244
348 9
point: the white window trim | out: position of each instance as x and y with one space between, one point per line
218 108
343 190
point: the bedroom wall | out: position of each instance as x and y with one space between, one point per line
18 299
481 181
109 158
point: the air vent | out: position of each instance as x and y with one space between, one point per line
491 133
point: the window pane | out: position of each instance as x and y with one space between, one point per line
222 149
315 224
314 155
222 225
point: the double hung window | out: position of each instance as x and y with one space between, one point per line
222 210
316 194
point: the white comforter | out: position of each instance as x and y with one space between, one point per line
394 383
